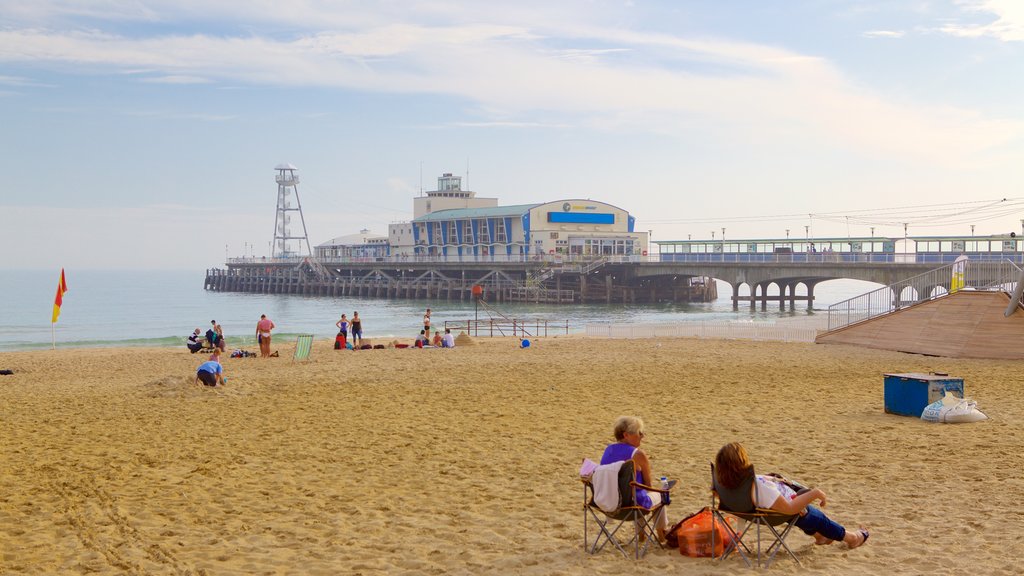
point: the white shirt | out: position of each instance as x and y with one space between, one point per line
448 340
769 489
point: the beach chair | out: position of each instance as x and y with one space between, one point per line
609 523
768 524
303 346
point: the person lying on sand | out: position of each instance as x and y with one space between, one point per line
733 467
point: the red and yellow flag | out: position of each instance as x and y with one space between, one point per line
62 287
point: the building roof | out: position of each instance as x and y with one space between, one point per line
359 239
470 213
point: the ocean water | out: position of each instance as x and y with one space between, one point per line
161 308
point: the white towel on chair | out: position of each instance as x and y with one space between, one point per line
606 486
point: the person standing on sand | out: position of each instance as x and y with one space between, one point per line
357 329
263 328
343 328
426 322
220 335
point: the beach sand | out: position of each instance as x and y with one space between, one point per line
465 461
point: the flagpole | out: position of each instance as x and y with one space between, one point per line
53 336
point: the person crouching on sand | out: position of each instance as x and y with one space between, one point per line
211 372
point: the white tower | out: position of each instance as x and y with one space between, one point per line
286 245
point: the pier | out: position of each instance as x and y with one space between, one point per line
548 280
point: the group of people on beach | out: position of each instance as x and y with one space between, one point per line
211 372
214 338
733 471
345 325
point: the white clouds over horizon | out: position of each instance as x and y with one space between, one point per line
635 81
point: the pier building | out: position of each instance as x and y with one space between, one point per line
365 244
451 221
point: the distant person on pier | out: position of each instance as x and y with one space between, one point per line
437 339
426 322
194 343
448 341
357 329
263 328
211 373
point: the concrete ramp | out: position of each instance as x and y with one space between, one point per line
966 324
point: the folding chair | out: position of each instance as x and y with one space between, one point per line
303 346
739 503
609 522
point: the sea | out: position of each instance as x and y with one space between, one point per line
112 308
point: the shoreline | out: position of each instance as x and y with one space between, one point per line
464 460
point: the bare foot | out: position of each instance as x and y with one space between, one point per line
856 539
821 540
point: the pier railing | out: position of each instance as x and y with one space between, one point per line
552 259
969 275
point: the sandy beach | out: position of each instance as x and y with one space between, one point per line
465 461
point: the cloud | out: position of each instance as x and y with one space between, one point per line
884 33
1007 27
518 73
177 79
22 82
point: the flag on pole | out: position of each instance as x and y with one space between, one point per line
62 287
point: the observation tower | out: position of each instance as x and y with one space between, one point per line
285 244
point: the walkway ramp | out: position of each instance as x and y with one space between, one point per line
921 316
966 324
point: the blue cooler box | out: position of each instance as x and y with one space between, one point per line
908 394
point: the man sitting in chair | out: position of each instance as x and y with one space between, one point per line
629 432
732 467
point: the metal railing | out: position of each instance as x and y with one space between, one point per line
554 259
970 275
506 327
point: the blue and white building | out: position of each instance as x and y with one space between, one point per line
454 222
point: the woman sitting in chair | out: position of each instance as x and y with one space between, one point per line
733 467
629 432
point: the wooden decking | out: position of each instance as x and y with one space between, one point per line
966 324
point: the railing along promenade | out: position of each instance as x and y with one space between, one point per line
492 327
971 275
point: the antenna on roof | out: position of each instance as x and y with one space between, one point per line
467 173
421 177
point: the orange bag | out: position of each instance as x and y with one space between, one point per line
693 534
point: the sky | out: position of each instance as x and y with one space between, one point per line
144 133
